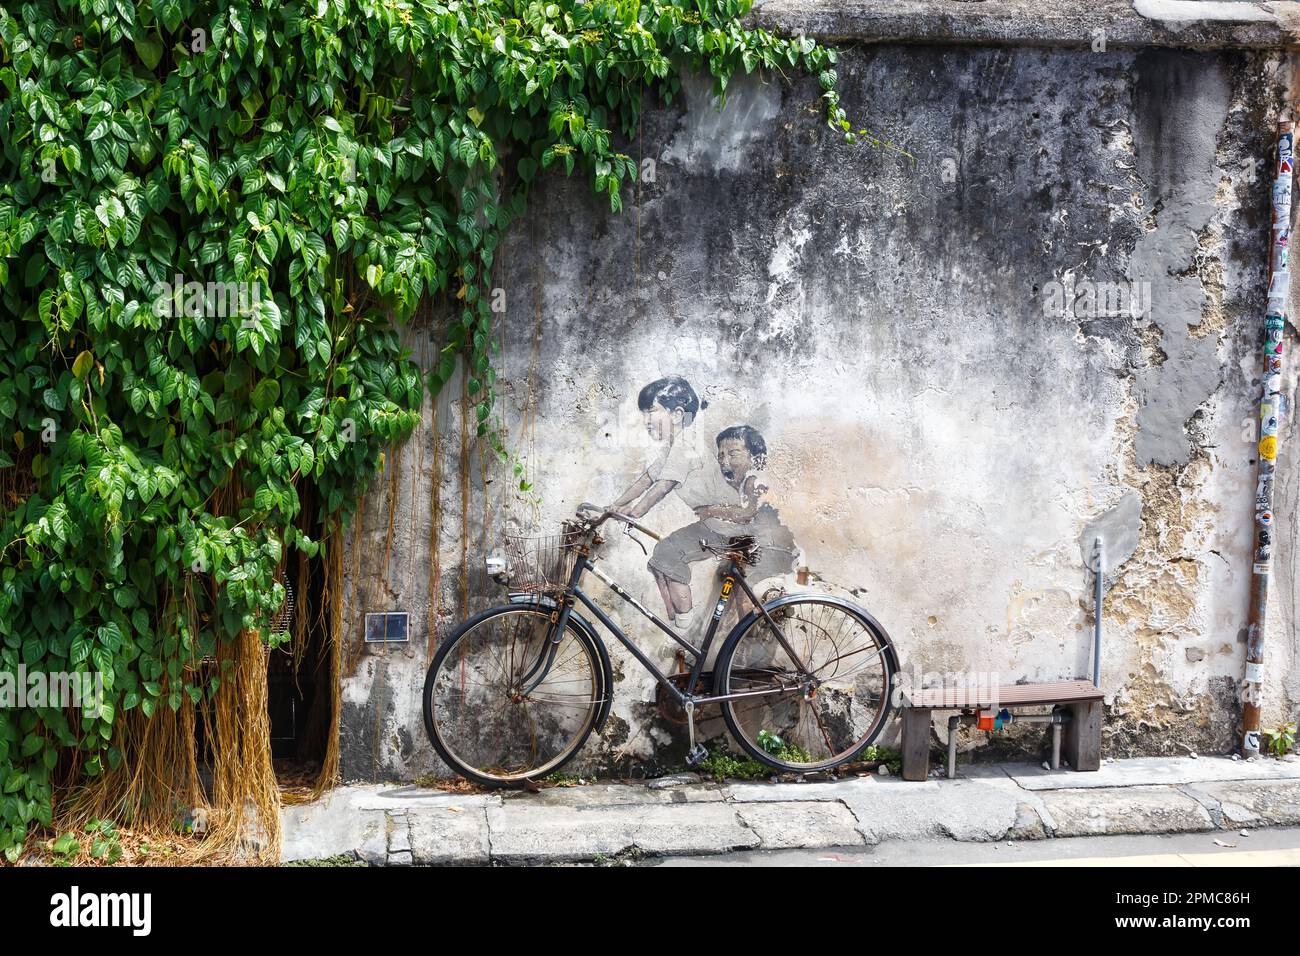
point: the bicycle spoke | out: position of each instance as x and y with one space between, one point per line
831 705
475 708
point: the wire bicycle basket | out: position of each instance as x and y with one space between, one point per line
539 564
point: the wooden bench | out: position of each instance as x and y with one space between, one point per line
1076 716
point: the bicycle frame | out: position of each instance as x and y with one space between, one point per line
731 575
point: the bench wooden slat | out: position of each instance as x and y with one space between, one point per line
1006 695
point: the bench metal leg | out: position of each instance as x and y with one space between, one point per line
1083 735
953 723
916 743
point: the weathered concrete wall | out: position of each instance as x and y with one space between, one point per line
941 440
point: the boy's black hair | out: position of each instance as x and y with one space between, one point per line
752 438
671 392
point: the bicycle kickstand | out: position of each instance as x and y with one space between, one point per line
695 756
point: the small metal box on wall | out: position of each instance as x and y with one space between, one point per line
388 627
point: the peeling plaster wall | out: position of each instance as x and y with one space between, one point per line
940 443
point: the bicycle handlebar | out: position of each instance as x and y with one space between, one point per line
605 515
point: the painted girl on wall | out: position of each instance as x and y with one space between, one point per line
669 406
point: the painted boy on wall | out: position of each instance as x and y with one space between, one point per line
727 503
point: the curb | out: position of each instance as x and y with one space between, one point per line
406 826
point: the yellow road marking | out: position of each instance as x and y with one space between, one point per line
1225 857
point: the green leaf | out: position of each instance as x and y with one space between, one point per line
82 364
150 51
266 394
67 845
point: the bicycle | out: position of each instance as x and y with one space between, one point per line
804 680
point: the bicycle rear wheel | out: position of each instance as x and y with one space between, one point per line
484 716
820 688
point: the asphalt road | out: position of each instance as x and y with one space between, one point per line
1272 847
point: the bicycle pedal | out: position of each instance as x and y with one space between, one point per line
697 755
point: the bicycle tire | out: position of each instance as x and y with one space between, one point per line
728 678
600 670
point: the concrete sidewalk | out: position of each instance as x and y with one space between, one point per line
405 825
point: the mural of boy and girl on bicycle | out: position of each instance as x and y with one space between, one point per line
716 476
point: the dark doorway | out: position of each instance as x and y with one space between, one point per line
299 685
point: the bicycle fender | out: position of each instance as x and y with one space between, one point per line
748 619
586 627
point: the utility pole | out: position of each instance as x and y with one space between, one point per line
1270 416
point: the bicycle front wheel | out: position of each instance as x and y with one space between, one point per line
817 685
503 704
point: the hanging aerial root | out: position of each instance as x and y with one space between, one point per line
155 788
247 830
435 561
158 788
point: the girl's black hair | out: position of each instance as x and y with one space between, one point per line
753 440
672 392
